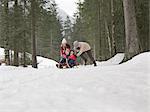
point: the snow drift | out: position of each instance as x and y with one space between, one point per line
42 62
45 62
117 59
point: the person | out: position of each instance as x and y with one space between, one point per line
84 49
64 51
72 59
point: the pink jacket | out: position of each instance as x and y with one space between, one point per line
65 51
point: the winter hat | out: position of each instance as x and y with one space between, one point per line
76 44
64 41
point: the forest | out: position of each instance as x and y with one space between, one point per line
109 26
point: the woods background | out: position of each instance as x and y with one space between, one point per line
110 26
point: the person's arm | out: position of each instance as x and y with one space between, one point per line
61 51
67 52
80 51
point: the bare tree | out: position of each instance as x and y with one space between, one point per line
6 29
132 45
34 59
114 51
16 45
108 37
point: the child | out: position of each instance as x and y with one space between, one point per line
72 59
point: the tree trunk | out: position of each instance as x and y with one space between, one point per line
16 54
94 52
34 59
7 56
148 44
114 51
11 57
24 54
99 32
132 45
51 44
108 38
24 40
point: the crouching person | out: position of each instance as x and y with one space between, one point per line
84 49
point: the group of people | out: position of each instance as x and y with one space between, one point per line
69 56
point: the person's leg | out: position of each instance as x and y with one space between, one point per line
71 63
83 56
62 62
89 53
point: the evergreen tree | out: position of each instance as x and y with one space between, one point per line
101 23
68 29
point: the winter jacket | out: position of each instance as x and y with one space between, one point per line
83 47
65 51
72 57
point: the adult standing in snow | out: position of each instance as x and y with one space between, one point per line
84 49
64 52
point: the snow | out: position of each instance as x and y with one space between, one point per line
42 62
117 59
115 88
63 15
2 56
45 62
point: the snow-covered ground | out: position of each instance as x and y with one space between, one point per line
117 59
2 56
45 62
115 88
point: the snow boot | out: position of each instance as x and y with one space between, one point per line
94 63
59 66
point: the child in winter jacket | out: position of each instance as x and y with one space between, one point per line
72 59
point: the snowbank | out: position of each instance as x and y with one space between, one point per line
2 56
45 62
140 59
117 59
42 62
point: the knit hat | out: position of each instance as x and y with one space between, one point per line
76 44
64 41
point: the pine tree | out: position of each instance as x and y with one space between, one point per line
68 29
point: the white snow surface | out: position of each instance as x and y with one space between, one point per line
45 62
2 56
115 88
42 62
63 16
118 58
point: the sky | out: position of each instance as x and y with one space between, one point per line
69 6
